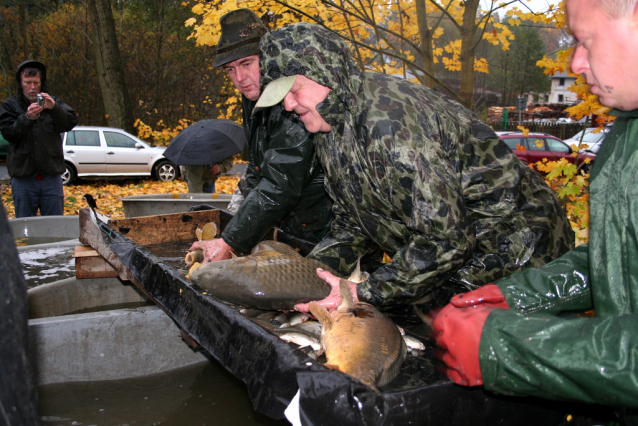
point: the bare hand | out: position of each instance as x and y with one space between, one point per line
49 103
332 302
33 111
215 170
213 250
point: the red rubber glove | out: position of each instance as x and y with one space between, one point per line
489 294
458 332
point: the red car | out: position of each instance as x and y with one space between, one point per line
542 145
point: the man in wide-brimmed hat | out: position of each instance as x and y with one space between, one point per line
285 182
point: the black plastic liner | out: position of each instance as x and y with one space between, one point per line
274 370
18 397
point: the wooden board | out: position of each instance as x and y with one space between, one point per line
164 228
90 264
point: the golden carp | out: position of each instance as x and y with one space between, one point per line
360 341
264 280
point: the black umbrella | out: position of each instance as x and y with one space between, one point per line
206 142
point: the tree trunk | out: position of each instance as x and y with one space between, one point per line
468 46
109 66
425 34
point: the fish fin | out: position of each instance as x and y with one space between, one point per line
393 369
347 301
198 234
267 253
321 313
427 319
332 367
357 276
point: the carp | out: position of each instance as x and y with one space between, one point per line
360 341
265 280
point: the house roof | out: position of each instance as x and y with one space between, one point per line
562 75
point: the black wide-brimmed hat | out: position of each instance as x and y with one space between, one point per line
242 30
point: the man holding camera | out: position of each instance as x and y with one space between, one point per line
32 121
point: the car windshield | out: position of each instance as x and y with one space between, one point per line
590 137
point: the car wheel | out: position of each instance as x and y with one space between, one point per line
165 171
69 175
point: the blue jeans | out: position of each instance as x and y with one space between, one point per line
30 195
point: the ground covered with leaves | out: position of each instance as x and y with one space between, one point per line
107 193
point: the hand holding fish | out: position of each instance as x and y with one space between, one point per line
213 249
332 302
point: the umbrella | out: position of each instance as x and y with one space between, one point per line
206 142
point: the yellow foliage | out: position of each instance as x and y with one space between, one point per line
570 184
480 65
107 194
523 129
164 135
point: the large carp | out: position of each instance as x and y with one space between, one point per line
360 341
266 280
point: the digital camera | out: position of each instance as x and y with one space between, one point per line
40 100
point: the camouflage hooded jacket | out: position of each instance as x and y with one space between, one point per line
417 176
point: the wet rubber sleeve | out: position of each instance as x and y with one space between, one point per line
586 359
279 179
559 286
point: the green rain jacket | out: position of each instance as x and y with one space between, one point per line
284 181
416 176
540 347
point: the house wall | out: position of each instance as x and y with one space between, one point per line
559 90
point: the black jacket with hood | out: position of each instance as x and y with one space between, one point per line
35 146
285 181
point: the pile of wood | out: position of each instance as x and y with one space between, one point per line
496 113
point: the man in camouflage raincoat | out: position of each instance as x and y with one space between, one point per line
411 174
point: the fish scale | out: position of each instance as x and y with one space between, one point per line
360 341
264 280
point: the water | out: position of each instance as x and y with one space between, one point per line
30 241
204 394
47 263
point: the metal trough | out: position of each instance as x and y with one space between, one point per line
158 204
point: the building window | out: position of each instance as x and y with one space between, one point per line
561 81
560 98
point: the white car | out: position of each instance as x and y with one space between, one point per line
106 151
591 141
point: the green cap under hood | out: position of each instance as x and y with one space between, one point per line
316 53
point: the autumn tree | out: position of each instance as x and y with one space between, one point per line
168 77
110 71
387 36
513 72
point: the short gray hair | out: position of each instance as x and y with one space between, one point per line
616 9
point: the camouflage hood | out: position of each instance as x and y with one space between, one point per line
317 53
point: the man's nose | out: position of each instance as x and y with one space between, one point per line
580 61
240 75
289 102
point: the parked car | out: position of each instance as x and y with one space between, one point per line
4 147
591 141
541 145
106 151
